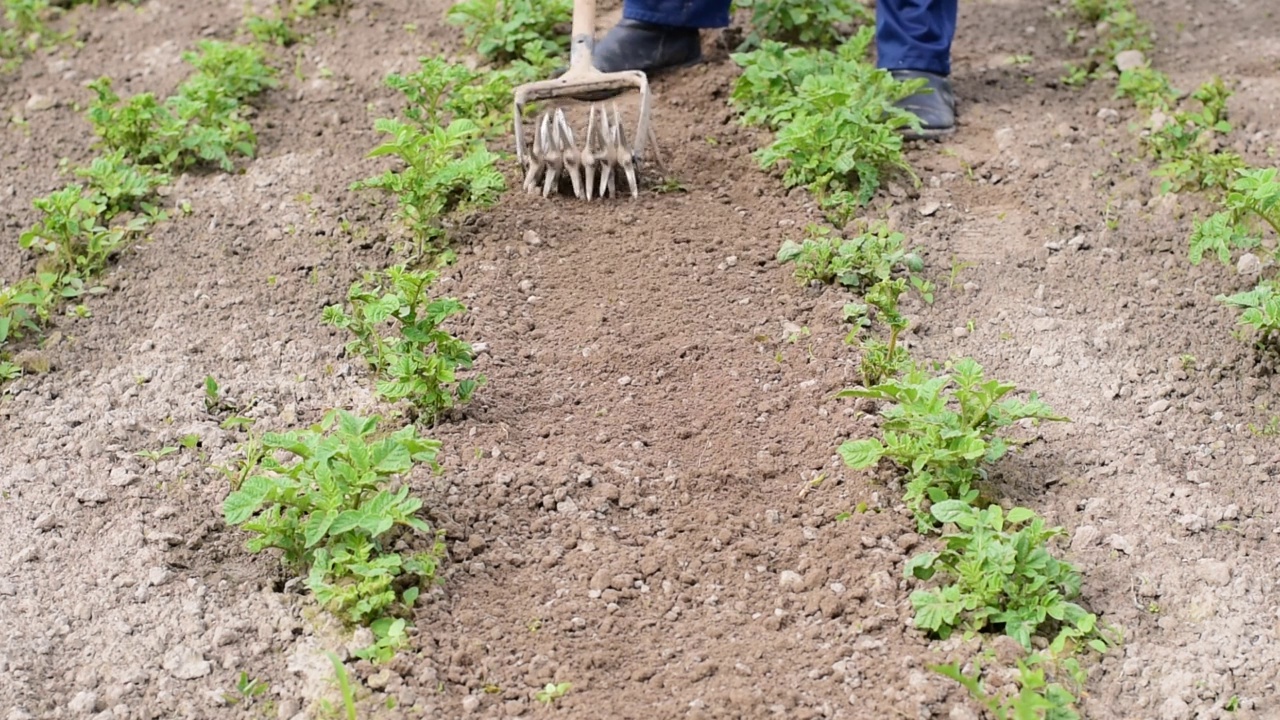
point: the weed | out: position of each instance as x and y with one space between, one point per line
834 115
247 688
329 510
1000 576
856 263
940 434
803 22
389 636
344 686
552 692
507 30
271 31
420 364
155 455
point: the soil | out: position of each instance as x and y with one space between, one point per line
644 501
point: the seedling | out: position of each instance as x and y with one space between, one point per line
552 692
942 430
419 364
1037 698
856 263
880 359
507 30
155 455
247 689
389 636
803 22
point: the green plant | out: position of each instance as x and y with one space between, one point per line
835 118
1038 698
942 429
1148 88
247 688
204 122
344 686
389 636
880 359
506 30
552 692
1001 575
420 362
1187 144
444 169
271 31
804 22
328 508
441 91
856 263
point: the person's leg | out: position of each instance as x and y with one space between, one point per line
678 13
913 40
656 35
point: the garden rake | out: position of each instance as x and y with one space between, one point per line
605 152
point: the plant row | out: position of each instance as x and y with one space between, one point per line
114 200
341 503
1187 136
837 133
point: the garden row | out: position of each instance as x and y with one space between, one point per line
1187 136
837 134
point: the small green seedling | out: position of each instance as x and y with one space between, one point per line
552 692
155 455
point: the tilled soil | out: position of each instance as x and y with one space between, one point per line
644 500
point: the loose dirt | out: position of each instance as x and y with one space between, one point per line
644 500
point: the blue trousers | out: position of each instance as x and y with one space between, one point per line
910 34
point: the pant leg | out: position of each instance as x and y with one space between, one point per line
915 34
680 13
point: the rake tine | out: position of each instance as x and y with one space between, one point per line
537 162
626 158
554 159
588 154
569 150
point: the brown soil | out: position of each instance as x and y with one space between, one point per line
631 502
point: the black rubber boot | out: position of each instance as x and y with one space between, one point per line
635 45
936 109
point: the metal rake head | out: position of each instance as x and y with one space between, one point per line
592 170
606 150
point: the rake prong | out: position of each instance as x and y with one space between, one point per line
569 153
624 156
589 154
537 162
554 160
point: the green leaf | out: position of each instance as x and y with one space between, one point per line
951 511
1019 515
317 525
861 454
243 503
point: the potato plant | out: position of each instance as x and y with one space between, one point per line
836 125
506 30
801 22
331 507
420 361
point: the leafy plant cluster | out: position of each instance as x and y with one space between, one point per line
334 510
801 22
24 28
944 428
833 114
113 202
203 123
420 361
1117 28
1249 221
503 31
